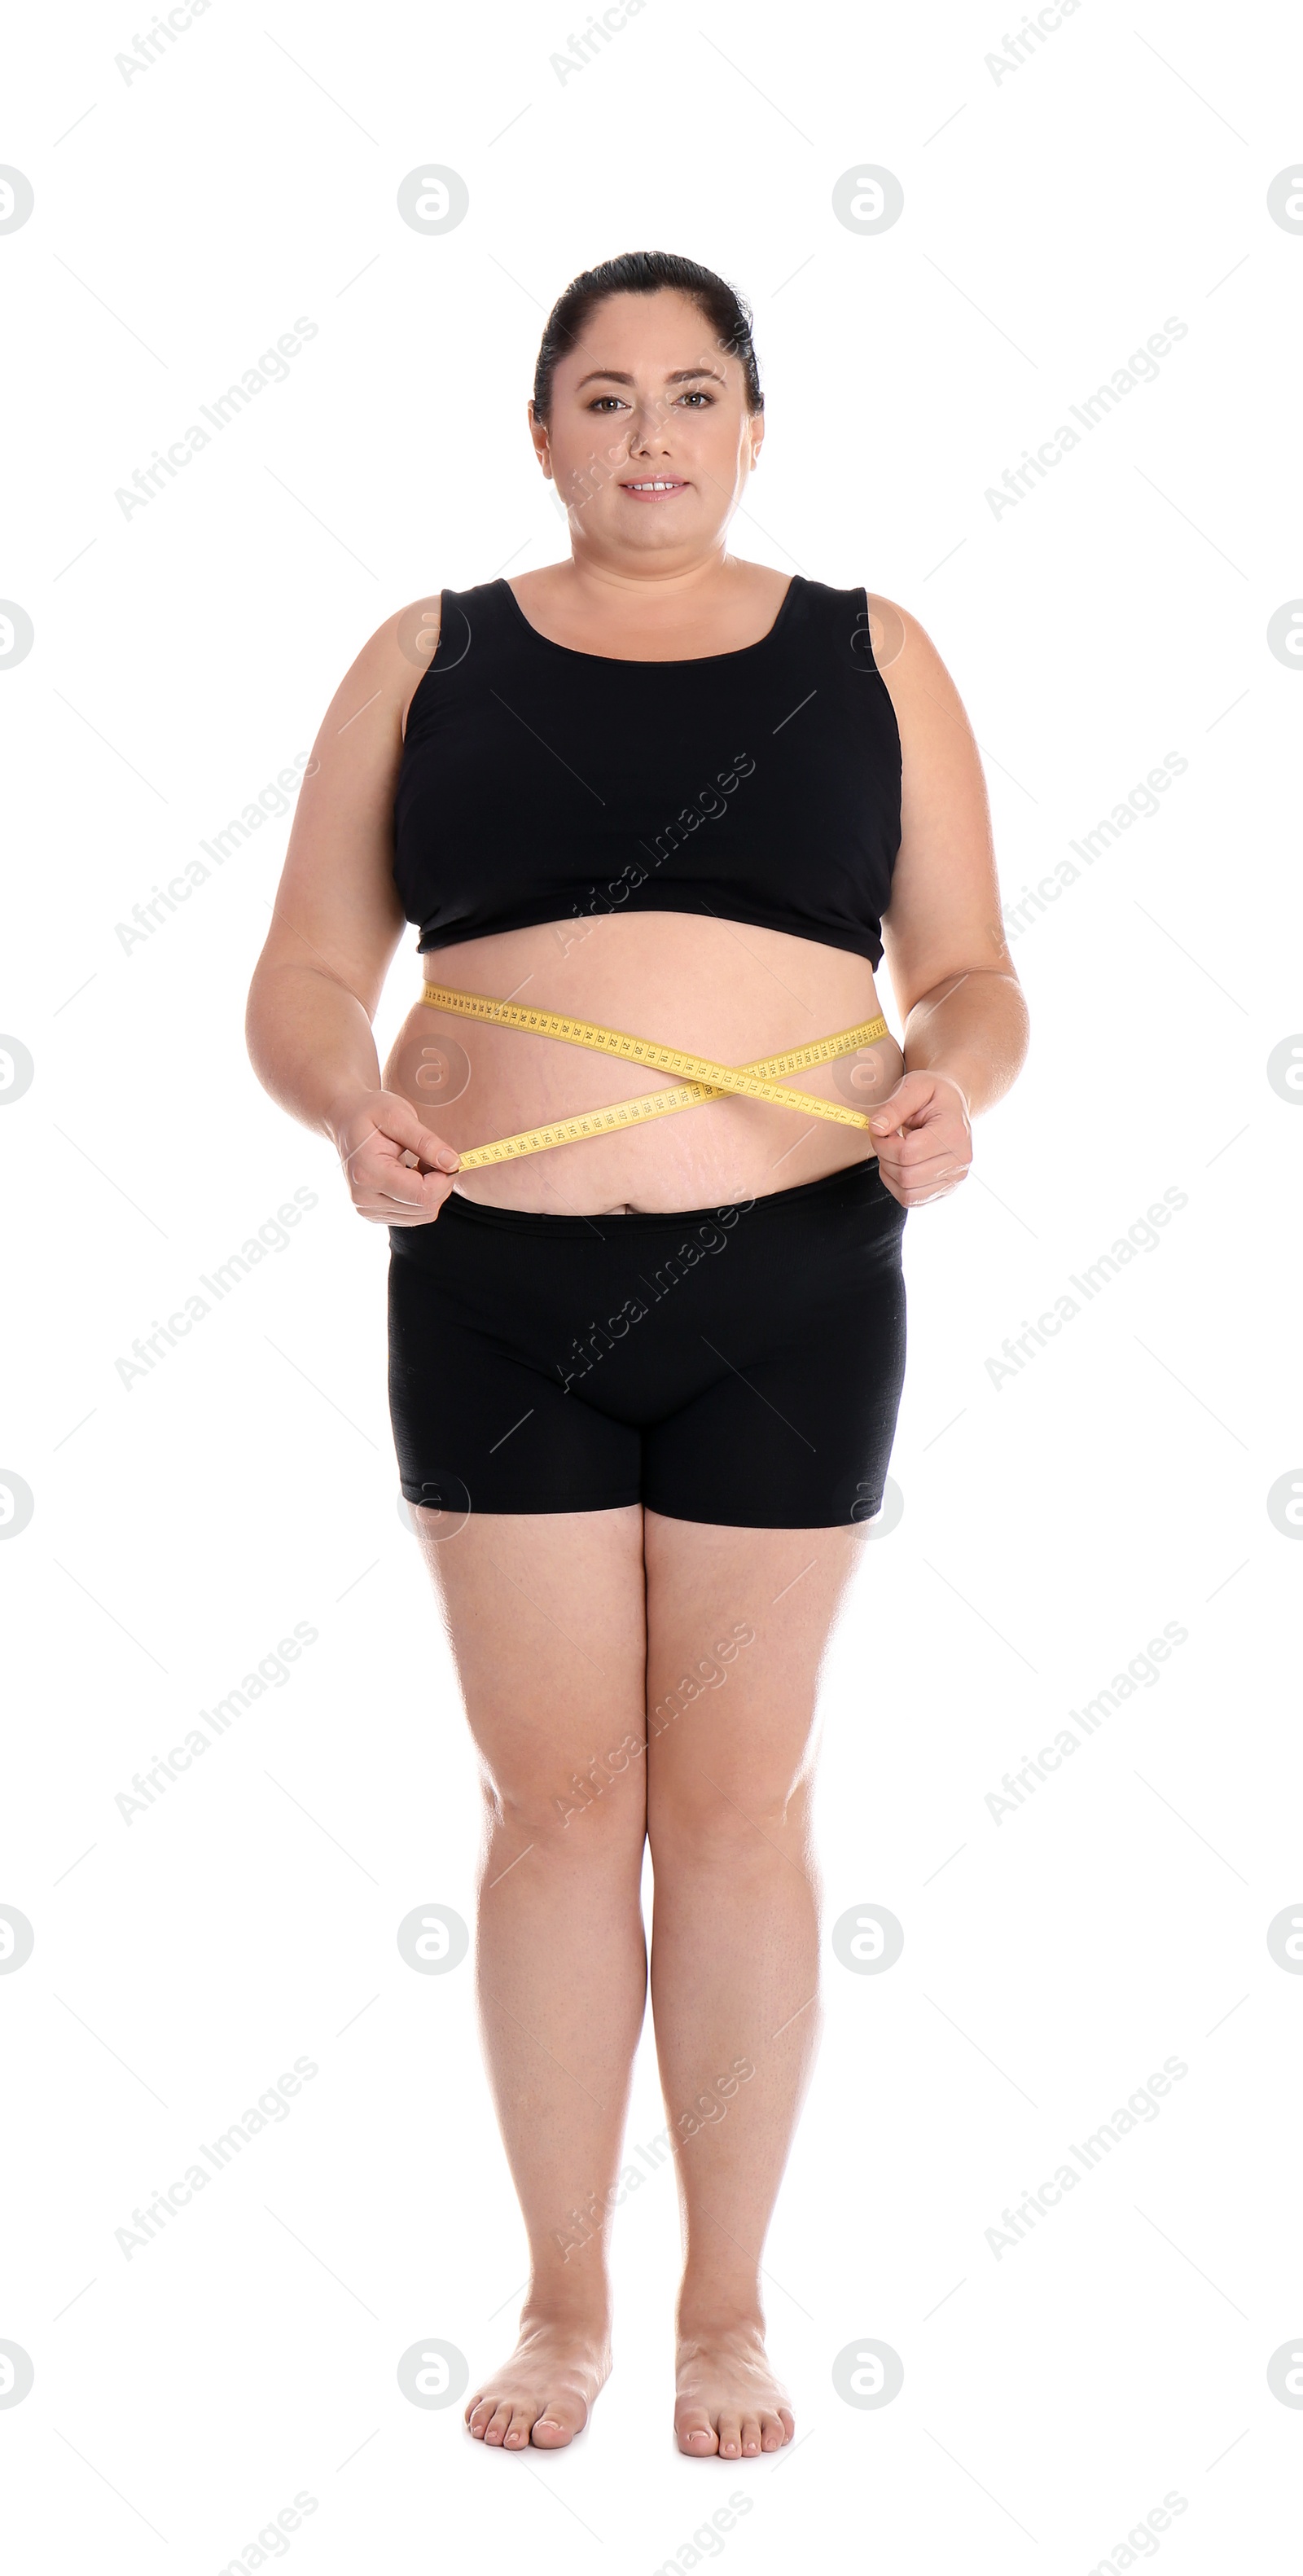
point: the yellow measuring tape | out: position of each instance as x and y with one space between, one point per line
704 1081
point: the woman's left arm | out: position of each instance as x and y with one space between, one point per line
965 1018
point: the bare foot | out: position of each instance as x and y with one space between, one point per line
729 2401
544 2393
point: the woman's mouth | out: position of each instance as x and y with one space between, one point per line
655 487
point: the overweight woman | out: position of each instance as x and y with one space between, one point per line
645 1148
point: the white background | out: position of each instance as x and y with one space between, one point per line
1053 218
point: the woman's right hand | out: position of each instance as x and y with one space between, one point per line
398 1171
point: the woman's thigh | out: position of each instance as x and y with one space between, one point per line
737 1623
546 1616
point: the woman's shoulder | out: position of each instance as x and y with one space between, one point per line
893 632
393 661
411 634
927 705
408 635
903 649
396 656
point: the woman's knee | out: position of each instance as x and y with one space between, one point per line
603 1790
700 1820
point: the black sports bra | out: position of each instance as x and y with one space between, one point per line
538 783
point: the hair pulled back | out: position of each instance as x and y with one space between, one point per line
645 272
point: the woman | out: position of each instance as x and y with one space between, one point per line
645 1368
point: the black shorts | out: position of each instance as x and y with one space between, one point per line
739 1364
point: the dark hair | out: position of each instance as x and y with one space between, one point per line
645 272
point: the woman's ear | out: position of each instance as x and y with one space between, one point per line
538 434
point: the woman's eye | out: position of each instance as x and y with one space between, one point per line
698 397
602 399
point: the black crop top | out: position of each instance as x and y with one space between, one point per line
760 786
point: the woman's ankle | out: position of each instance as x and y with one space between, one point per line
553 2300
710 2309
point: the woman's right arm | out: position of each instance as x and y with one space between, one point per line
335 927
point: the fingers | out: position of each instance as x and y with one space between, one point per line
933 1185
384 1120
923 1165
931 1106
911 1152
375 1156
398 1171
917 1157
923 1197
390 1191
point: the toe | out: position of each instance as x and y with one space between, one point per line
772 2434
559 2419
730 2437
517 2432
696 2432
495 2431
750 2436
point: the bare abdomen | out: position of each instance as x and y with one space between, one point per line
723 990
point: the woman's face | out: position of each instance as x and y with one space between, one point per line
649 441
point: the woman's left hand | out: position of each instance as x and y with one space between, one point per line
923 1137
